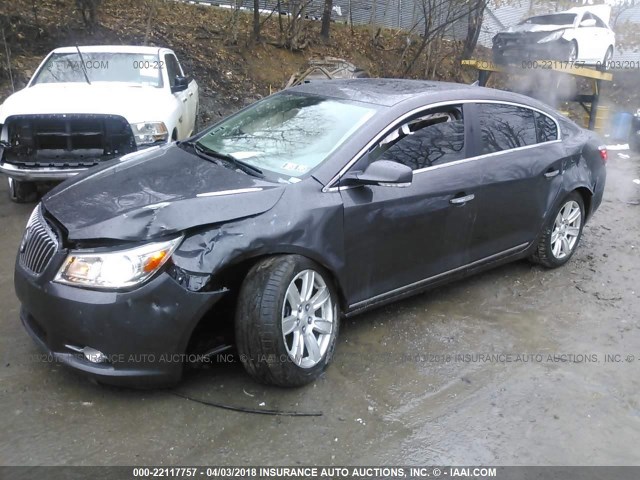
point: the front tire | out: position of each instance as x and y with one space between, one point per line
562 232
286 321
22 192
573 51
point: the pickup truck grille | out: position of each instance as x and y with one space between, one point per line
69 141
38 245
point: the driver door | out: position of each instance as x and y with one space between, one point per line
396 237
182 97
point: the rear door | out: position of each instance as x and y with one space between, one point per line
522 161
588 40
397 237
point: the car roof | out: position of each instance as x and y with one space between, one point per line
379 91
389 92
110 48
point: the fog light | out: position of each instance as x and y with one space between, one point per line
93 355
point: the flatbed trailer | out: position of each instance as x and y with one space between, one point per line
589 101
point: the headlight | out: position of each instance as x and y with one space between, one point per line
115 269
554 36
147 133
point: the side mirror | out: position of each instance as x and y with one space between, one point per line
180 85
589 22
384 173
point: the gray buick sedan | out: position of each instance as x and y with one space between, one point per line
316 203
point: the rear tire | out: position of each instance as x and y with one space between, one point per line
561 233
607 59
286 321
23 192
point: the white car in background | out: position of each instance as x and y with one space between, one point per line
580 34
87 105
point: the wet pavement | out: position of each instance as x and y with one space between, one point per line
507 367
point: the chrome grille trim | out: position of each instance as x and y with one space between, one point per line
39 244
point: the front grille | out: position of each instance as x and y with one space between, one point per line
38 245
67 140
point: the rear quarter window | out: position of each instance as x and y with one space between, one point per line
546 128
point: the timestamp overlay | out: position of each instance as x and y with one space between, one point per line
319 472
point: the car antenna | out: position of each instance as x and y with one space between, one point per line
84 69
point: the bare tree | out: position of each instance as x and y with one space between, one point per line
88 9
436 18
256 20
326 19
232 28
474 24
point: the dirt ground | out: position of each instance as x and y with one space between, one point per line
412 383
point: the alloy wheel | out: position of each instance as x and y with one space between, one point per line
308 316
566 230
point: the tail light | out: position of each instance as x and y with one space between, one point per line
604 155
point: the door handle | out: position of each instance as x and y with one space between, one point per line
462 200
552 173
184 100
191 94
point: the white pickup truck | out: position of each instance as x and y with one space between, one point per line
86 105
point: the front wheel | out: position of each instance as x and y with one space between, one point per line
561 233
573 51
286 321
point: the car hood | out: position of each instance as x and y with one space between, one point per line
536 28
135 103
154 193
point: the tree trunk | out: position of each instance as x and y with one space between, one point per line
256 19
476 16
326 19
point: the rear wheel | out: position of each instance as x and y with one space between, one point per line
22 192
286 321
607 59
561 233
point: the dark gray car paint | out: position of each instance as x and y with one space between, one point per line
155 194
380 243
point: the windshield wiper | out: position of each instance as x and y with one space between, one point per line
209 152
84 68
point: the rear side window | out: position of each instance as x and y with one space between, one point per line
546 128
434 138
504 127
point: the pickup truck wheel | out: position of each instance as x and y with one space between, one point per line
286 321
22 192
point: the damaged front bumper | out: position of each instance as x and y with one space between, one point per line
518 48
142 334
38 174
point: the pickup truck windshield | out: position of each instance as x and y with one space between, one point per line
287 133
133 68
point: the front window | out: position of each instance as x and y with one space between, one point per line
433 138
131 68
289 133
